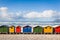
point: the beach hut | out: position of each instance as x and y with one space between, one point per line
12 29
1 29
37 29
18 29
27 29
57 29
4 29
48 29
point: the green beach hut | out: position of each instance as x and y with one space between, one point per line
38 29
4 29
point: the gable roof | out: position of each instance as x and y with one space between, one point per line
3 26
48 26
37 26
57 27
12 26
18 26
26 26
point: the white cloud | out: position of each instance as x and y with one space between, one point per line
8 16
44 14
47 13
3 9
17 16
57 15
3 13
32 15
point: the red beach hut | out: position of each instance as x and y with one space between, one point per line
57 29
18 29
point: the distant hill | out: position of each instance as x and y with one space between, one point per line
57 20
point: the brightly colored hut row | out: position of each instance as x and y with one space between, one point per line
29 29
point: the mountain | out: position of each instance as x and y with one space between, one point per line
57 20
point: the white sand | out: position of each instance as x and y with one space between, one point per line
29 37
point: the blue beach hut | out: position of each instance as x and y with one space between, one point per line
27 29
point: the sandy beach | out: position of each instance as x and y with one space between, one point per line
29 37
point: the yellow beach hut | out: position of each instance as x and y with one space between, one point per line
48 29
11 29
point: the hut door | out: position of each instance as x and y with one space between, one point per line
29 29
25 29
18 29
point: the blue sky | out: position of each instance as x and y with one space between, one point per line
29 10
35 5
